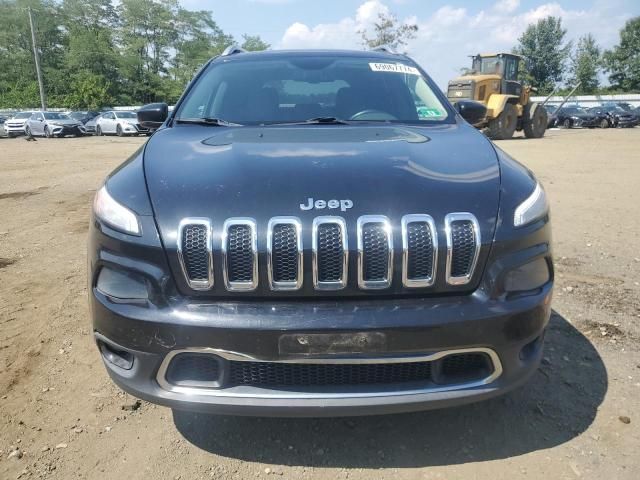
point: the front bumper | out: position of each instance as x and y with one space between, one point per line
511 331
14 130
64 130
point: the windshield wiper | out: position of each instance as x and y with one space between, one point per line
215 122
316 121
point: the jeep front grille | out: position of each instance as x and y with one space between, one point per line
420 251
240 254
463 247
284 245
375 252
330 252
195 252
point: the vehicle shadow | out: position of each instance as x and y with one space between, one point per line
559 402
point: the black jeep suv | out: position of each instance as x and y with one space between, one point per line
316 233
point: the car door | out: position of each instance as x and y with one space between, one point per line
104 122
113 122
37 126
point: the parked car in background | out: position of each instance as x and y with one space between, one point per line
90 126
83 115
121 123
573 117
53 124
15 126
617 116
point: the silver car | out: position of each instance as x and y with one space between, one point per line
53 124
122 123
15 126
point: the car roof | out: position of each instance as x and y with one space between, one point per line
314 53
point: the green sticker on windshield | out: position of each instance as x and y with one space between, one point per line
425 112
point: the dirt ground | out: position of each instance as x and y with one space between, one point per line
579 417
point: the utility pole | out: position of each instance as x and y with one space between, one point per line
37 59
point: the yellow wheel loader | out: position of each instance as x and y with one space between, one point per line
493 81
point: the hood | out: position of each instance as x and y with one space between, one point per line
69 122
16 122
262 172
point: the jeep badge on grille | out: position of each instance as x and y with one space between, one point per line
344 205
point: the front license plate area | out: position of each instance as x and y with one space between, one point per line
318 344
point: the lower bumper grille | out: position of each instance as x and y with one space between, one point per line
266 374
206 370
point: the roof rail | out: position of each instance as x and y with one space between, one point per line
384 49
232 50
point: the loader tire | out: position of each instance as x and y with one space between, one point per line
503 126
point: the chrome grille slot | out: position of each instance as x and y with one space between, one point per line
375 252
330 253
240 254
195 252
463 247
284 244
420 251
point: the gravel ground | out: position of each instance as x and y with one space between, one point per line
61 417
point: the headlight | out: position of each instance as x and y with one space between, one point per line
533 208
115 215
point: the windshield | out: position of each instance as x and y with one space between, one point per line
299 88
55 116
573 110
23 115
125 115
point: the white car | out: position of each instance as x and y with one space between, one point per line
53 124
16 125
121 123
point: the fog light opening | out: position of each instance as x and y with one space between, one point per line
531 349
119 358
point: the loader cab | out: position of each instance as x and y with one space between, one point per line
505 65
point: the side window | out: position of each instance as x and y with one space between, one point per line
511 69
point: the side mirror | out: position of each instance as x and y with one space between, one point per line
153 115
472 112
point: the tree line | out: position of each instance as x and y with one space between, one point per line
553 61
95 53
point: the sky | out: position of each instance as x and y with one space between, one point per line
448 32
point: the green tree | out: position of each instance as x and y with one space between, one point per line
254 43
17 67
585 65
389 31
542 44
623 61
199 38
147 33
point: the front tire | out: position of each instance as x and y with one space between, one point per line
98 131
119 131
47 133
535 120
27 132
502 127
604 123
566 123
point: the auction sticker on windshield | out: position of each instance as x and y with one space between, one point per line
394 67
